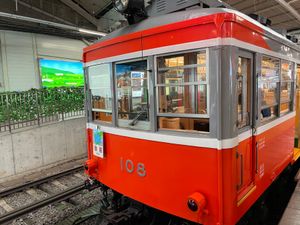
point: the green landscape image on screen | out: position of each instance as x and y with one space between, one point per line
59 73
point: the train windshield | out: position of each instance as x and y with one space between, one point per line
100 91
120 93
132 94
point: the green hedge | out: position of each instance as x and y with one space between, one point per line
37 103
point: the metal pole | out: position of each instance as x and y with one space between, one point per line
37 94
8 113
17 8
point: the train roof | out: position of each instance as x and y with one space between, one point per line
186 15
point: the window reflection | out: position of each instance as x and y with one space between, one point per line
244 91
188 124
286 87
269 88
270 68
269 92
285 97
132 94
101 94
182 90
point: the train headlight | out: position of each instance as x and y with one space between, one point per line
121 5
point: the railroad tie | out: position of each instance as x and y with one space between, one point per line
58 184
79 175
32 193
5 206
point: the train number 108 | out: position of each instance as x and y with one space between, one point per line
130 167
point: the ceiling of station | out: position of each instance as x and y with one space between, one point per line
284 14
95 6
99 15
90 14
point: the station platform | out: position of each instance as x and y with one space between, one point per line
291 214
296 154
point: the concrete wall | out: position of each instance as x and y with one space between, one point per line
20 53
36 147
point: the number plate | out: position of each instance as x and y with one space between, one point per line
98 146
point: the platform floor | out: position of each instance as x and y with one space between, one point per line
296 154
291 214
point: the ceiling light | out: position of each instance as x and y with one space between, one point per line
91 32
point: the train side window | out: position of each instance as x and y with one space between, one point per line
244 91
182 90
132 94
99 78
269 88
287 82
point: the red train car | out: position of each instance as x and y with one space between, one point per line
191 113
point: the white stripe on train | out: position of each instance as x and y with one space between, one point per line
190 141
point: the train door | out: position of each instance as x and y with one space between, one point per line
245 124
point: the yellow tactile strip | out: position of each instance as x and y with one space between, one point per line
296 154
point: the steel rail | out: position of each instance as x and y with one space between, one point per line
62 196
35 183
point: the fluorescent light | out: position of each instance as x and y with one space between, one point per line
91 32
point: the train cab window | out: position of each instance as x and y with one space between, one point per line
269 88
132 94
182 90
287 82
244 91
99 78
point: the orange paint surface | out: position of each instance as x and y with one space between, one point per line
175 172
197 29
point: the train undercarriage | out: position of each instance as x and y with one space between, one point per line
117 209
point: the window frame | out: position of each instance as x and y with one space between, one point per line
262 81
291 82
246 54
194 84
293 89
116 113
89 96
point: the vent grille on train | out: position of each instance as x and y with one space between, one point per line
180 2
161 5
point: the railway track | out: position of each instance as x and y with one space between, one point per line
67 193
35 183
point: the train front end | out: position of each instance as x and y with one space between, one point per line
173 178
150 136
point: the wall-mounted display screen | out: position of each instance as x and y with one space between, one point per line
59 73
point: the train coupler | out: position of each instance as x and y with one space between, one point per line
91 184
